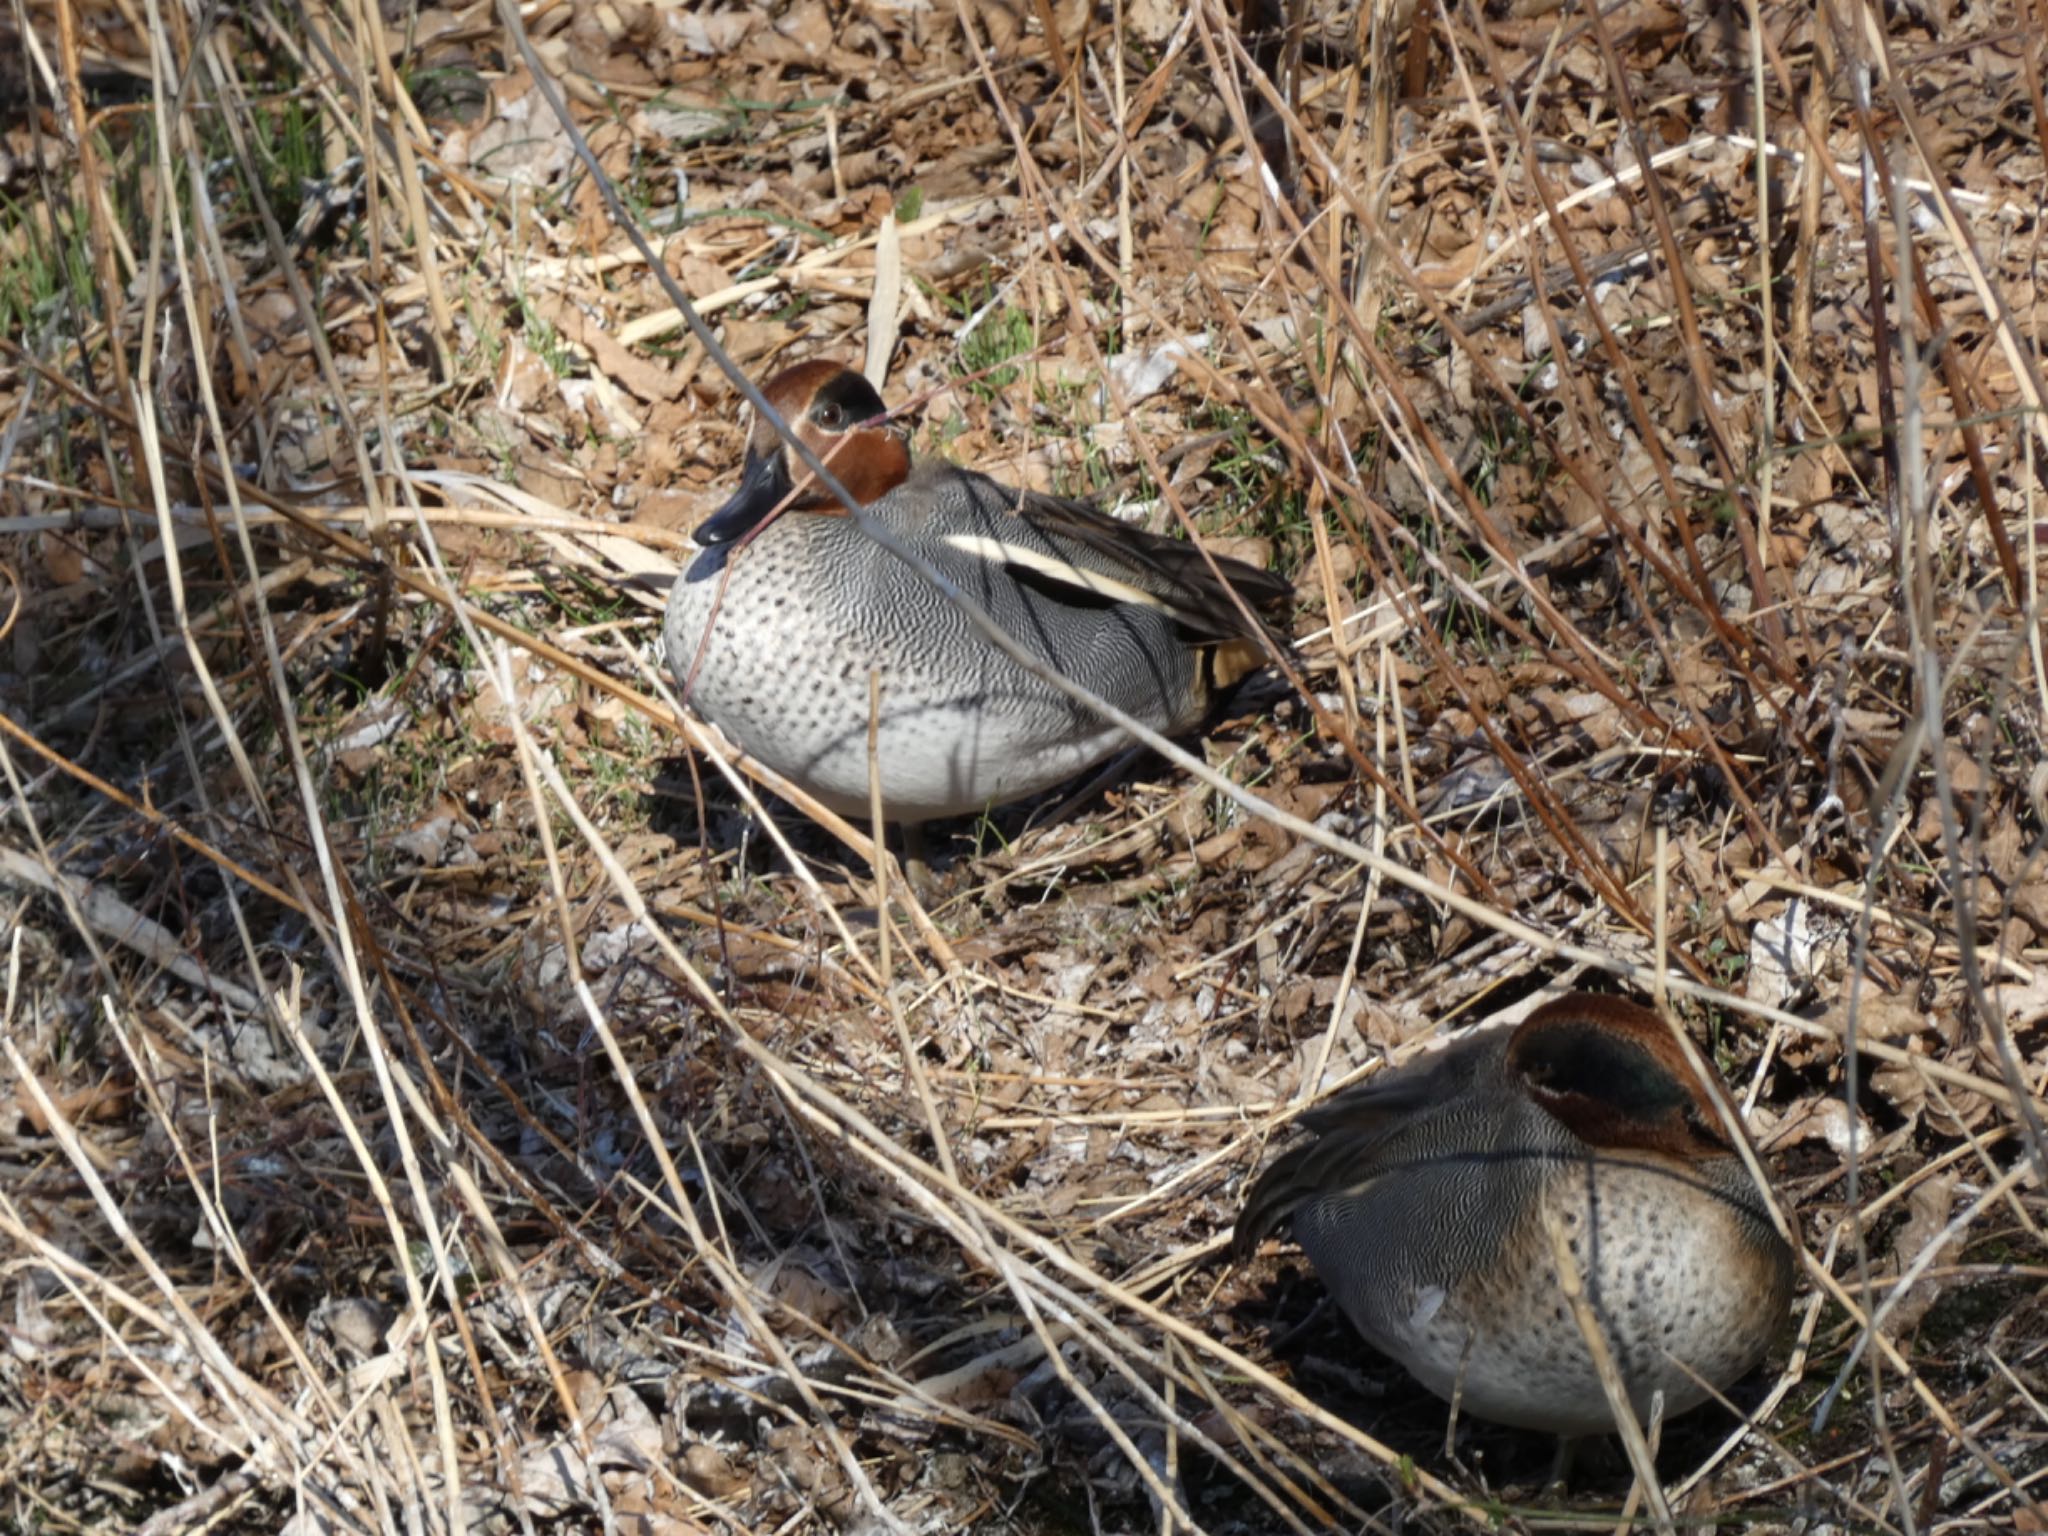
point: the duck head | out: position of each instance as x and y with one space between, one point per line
1613 1075
839 417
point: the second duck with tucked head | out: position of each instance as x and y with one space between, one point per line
773 643
1426 1196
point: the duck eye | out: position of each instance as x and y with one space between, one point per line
828 415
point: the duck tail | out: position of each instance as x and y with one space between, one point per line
1271 1201
1230 662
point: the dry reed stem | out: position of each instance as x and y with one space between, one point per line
912 1174
1169 1383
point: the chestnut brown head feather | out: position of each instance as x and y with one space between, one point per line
1614 1075
839 417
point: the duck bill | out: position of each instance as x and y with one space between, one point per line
764 486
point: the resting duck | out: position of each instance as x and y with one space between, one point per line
773 641
1421 1203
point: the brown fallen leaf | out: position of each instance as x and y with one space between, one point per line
1929 1205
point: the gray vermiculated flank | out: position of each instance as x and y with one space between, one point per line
814 603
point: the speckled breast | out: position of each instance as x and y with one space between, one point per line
1687 1294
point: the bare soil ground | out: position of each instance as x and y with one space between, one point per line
441 1091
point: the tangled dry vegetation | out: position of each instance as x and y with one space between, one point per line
440 1093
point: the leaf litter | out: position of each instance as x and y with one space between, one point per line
1659 608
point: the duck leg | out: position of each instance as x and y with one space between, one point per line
1561 1464
915 869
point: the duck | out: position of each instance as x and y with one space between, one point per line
771 632
1425 1200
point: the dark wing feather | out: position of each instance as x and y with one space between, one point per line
1171 570
1353 1129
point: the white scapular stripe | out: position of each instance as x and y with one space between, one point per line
1056 569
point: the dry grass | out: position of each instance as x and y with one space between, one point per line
443 1091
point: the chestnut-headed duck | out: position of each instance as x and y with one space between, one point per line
772 631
